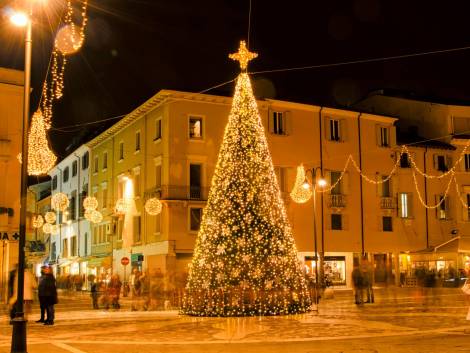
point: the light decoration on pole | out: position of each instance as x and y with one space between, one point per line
40 157
59 202
37 221
95 216
300 193
153 206
122 206
88 214
245 259
50 217
47 228
90 203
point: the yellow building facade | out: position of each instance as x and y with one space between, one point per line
168 148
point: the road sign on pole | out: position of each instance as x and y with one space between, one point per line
125 261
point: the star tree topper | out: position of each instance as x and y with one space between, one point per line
243 55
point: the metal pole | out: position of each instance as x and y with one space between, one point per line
18 338
315 237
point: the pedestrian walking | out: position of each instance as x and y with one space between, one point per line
367 277
42 304
358 283
94 294
47 289
114 289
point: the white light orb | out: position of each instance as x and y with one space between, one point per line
50 217
153 206
59 202
68 40
96 216
38 221
47 228
88 214
90 203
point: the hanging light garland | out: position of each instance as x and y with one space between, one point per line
153 206
38 221
50 217
59 202
40 158
90 203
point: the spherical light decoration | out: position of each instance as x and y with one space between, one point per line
54 228
38 221
300 193
122 206
96 216
90 203
50 217
47 228
60 202
153 206
68 40
88 214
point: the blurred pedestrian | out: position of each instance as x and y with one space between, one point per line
42 304
358 280
114 289
135 289
94 294
28 295
367 279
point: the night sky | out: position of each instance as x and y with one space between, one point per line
134 48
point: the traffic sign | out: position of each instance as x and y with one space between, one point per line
125 261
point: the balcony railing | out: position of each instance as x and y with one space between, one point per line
176 192
336 200
387 203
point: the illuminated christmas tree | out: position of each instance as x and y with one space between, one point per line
245 260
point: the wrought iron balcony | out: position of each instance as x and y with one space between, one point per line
387 203
176 192
336 201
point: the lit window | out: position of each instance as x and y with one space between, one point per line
195 128
404 203
195 217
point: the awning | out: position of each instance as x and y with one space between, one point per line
100 262
460 244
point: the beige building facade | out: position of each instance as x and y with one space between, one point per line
168 148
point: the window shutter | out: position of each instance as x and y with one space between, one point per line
327 128
270 121
328 222
449 162
393 136
344 222
447 202
343 130
288 123
436 164
398 204
465 211
379 187
410 205
328 177
378 135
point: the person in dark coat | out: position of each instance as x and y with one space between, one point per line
48 291
358 283
94 295
42 306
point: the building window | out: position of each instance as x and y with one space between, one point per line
158 129
404 161
158 223
85 160
137 141
195 128
336 221
137 184
195 217
442 211
66 174
404 205
73 246
384 136
121 151
54 182
137 230
335 180
65 248
105 160
83 194
278 120
441 163
334 130
74 168
96 165
86 244
73 206
120 227
387 224
195 179
104 197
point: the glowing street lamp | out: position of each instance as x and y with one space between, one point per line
19 19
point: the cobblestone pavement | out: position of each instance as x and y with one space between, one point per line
401 320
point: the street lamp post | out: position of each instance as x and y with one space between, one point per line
304 197
18 339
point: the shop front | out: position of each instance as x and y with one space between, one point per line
337 267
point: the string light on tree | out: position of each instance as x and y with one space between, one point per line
50 217
59 202
153 206
245 260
